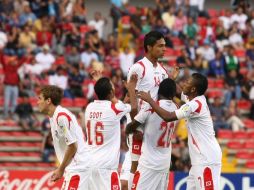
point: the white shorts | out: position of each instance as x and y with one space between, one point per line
145 178
76 180
104 179
126 167
204 177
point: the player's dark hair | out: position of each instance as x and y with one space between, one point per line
103 88
151 38
167 88
200 82
53 92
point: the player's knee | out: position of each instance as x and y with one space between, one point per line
124 184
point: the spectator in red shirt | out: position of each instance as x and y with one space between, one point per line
11 82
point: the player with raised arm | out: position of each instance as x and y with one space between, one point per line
153 167
68 140
205 152
150 74
102 121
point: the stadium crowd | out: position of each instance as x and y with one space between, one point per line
52 42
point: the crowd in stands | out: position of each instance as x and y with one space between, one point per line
52 42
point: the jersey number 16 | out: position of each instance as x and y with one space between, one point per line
94 134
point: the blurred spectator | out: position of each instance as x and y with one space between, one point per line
126 60
58 41
233 87
240 18
27 16
145 26
27 38
191 48
59 78
235 38
110 43
98 23
206 51
180 22
113 59
221 36
117 80
160 27
231 61
190 29
27 86
218 114
44 36
75 81
12 46
11 82
47 148
26 117
45 58
79 12
73 57
250 56
232 116
217 66
73 37
194 8
169 18
184 59
200 64
95 43
226 19
116 12
88 56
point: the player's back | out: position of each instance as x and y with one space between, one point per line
66 130
156 147
102 119
203 146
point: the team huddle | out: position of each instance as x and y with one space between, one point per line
89 161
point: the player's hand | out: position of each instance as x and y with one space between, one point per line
146 96
131 84
175 72
96 75
57 174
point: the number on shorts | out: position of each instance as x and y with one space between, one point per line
98 136
167 131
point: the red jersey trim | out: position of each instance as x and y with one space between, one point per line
194 142
113 107
115 181
144 71
135 180
74 182
164 68
199 106
63 114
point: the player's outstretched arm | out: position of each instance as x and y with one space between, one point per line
68 156
165 115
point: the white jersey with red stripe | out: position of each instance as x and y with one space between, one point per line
102 120
156 147
65 131
203 146
149 77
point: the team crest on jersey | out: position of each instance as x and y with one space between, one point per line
136 147
186 109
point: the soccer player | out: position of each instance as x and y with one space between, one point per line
154 162
102 121
150 74
68 140
205 152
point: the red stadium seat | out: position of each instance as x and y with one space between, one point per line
242 154
33 134
240 135
85 28
215 93
60 60
249 123
11 164
250 164
19 154
225 134
244 104
33 101
251 134
211 83
213 12
201 21
80 102
234 145
67 102
249 145
219 83
1 101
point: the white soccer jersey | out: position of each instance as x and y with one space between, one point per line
149 77
203 146
156 147
65 131
102 120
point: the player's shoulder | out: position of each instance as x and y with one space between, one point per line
168 104
119 107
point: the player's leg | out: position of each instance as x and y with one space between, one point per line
125 171
77 181
191 184
216 173
145 178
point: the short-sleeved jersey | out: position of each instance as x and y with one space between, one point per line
149 77
102 120
65 131
203 146
156 147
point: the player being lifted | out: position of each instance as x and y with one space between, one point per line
150 74
68 140
205 152
154 162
